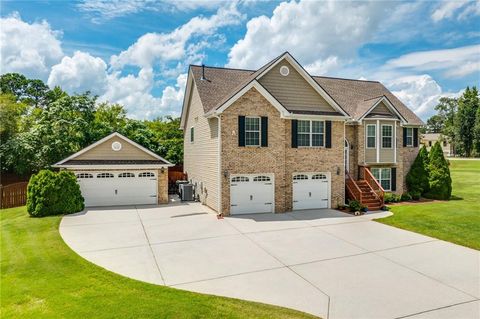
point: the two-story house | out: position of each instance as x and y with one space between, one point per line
277 139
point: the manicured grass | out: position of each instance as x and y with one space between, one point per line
42 278
457 220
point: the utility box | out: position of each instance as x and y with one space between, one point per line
187 192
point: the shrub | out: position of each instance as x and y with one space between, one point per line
406 196
418 177
439 175
354 206
391 198
50 193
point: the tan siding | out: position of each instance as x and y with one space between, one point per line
104 152
381 108
292 91
386 155
201 156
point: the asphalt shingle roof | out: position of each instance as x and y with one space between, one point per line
354 96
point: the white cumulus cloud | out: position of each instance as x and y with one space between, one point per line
79 73
420 93
30 49
318 33
160 48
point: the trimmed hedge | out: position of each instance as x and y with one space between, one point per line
50 193
440 180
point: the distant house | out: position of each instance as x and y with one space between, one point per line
429 139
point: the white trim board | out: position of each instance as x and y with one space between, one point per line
106 138
392 108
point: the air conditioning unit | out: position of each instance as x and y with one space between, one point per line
187 192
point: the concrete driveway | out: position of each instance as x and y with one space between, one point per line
322 262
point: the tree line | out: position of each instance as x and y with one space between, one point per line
40 126
458 120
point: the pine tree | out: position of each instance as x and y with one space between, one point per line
418 177
476 133
440 181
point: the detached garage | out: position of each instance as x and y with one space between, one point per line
117 171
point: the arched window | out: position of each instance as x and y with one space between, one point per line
300 177
84 175
261 179
237 179
105 175
146 174
126 174
319 176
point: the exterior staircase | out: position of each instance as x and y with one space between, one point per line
369 198
366 189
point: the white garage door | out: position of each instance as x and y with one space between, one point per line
251 194
118 187
311 190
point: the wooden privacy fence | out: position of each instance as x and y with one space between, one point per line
13 195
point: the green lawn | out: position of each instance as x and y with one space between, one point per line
457 220
42 278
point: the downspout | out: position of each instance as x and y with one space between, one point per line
219 164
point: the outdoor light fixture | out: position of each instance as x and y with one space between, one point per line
338 170
225 173
162 170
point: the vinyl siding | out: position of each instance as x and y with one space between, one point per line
386 155
201 156
381 108
104 151
292 91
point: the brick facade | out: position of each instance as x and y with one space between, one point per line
279 157
162 180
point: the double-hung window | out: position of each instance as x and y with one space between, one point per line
384 177
409 136
371 136
387 136
252 131
311 133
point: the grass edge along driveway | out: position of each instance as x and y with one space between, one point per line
456 220
41 277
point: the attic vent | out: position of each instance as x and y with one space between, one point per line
116 146
284 70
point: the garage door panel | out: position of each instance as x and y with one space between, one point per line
250 194
110 189
311 190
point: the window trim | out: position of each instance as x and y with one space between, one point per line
380 179
391 137
254 131
311 133
367 136
407 136
192 134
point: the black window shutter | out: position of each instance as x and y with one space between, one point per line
241 131
328 134
415 137
404 137
264 130
294 133
394 179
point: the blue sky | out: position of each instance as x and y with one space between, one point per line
137 52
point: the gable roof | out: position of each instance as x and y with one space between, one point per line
350 97
157 160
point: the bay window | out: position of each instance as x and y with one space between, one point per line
387 136
371 136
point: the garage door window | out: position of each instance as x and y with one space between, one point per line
146 174
261 179
240 179
319 176
84 175
105 175
300 177
124 175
